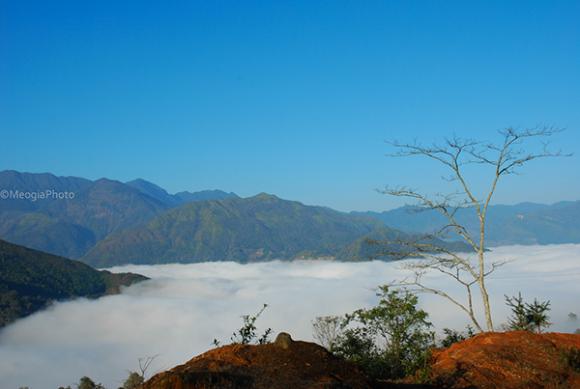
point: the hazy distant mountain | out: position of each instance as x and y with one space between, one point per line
11 180
382 244
154 191
110 222
204 195
262 227
107 206
30 280
33 223
525 223
161 194
70 227
257 228
45 232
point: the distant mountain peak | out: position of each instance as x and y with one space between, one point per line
204 195
152 190
104 180
140 181
266 196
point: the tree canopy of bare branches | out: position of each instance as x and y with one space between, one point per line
504 158
145 364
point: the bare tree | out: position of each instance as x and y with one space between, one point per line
145 364
455 154
135 379
326 330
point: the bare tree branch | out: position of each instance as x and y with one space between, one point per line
504 158
145 363
417 286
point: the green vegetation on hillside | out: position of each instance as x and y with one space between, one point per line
70 227
262 227
30 280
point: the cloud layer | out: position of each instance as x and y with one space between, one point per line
183 308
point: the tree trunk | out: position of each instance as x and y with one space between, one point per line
481 278
483 291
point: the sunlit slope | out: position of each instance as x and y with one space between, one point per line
257 228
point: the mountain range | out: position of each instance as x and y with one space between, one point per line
262 227
70 227
110 223
525 223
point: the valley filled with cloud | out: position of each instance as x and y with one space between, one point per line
177 314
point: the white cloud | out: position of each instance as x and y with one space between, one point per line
184 307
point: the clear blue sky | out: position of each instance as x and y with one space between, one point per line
292 98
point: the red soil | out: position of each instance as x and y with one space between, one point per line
294 365
510 360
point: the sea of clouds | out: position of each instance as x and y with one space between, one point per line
179 312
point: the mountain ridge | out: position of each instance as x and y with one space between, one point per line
255 228
178 198
70 227
258 228
523 223
105 212
30 280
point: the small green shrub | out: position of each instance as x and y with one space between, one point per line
528 317
247 333
133 381
389 341
87 383
453 336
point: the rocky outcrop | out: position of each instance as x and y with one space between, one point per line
284 364
509 360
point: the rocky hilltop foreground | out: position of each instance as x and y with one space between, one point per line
493 360
510 360
280 365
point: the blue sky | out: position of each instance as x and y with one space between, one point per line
292 98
